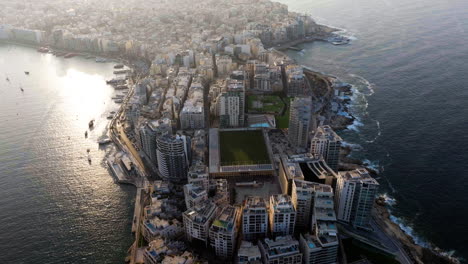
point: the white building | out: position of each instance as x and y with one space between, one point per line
231 104
194 195
155 227
282 215
223 232
192 115
173 156
148 134
296 81
327 143
197 221
254 218
284 250
248 254
355 195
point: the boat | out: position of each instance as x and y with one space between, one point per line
86 134
118 101
121 87
91 123
90 57
22 90
338 40
88 150
89 159
43 49
100 60
7 79
26 72
104 140
118 66
110 117
112 112
120 72
70 55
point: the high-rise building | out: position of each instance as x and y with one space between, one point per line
194 195
296 81
197 221
355 194
248 254
327 143
284 250
223 232
299 121
282 215
254 218
321 246
148 134
224 65
173 156
303 197
232 104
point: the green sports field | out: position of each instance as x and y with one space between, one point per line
242 147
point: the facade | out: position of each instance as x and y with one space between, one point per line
284 250
194 195
155 227
355 195
282 215
327 143
223 232
299 121
198 175
303 194
197 221
232 104
254 218
148 134
248 254
173 156
296 81
192 115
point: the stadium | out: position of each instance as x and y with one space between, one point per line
242 153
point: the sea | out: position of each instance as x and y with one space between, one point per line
55 206
408 64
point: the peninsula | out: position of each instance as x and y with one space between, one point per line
230 142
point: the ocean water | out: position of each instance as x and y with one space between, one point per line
55 207
408 62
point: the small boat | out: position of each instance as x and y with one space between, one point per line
86 134
22 90
26 72
118 66
110 117
89 159
104 140
70 55
88 150
91 123
118 101
112 112
101 60
7 79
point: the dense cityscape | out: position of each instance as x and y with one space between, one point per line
232 145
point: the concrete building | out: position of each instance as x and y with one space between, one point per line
248 254
194 195
231 104
327 143
254 218
284 250
192 115
224 65
198 175
155 227
282 215
355 194
173 156
303 196
148 134
299 121
223 232
321 246
296 81
197 221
